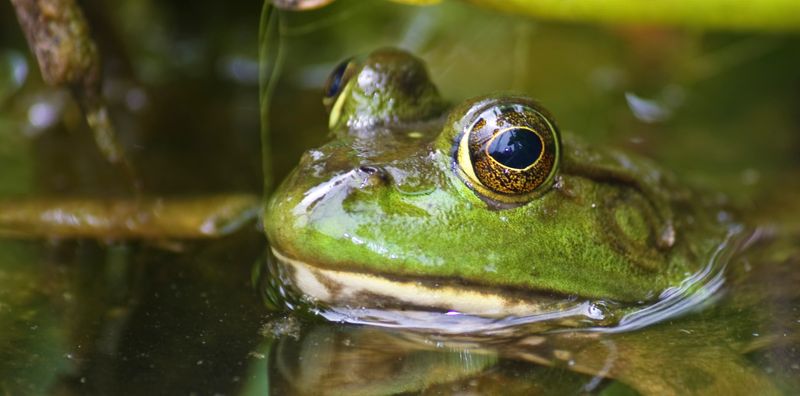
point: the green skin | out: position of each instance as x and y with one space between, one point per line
608 226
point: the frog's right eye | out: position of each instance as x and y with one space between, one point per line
509 152
337 81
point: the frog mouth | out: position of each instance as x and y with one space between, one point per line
353 289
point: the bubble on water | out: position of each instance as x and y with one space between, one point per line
596 311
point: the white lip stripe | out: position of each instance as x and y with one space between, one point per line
350 284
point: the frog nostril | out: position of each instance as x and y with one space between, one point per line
372 176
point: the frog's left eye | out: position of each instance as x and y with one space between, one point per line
509 152
337 81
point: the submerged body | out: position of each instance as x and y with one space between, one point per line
482 208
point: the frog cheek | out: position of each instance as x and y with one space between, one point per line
509 153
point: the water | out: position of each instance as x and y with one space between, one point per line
177 317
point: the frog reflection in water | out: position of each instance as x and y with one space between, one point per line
482 209
424 216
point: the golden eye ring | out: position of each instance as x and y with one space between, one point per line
509 152
336 86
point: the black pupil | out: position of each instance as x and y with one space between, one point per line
516 148
336 79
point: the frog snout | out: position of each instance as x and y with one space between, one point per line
372 176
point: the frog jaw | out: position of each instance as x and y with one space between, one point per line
354 289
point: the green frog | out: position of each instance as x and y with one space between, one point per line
481 209
514 243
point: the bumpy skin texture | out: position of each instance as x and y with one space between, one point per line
390 88
387 197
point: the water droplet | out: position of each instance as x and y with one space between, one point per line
595 311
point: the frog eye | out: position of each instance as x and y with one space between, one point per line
336 82
509 152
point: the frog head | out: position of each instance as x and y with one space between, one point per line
482 208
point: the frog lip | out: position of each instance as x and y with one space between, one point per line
368 290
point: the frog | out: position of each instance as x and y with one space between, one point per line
482 208
482 236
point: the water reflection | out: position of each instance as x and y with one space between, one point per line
332 359
86 318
